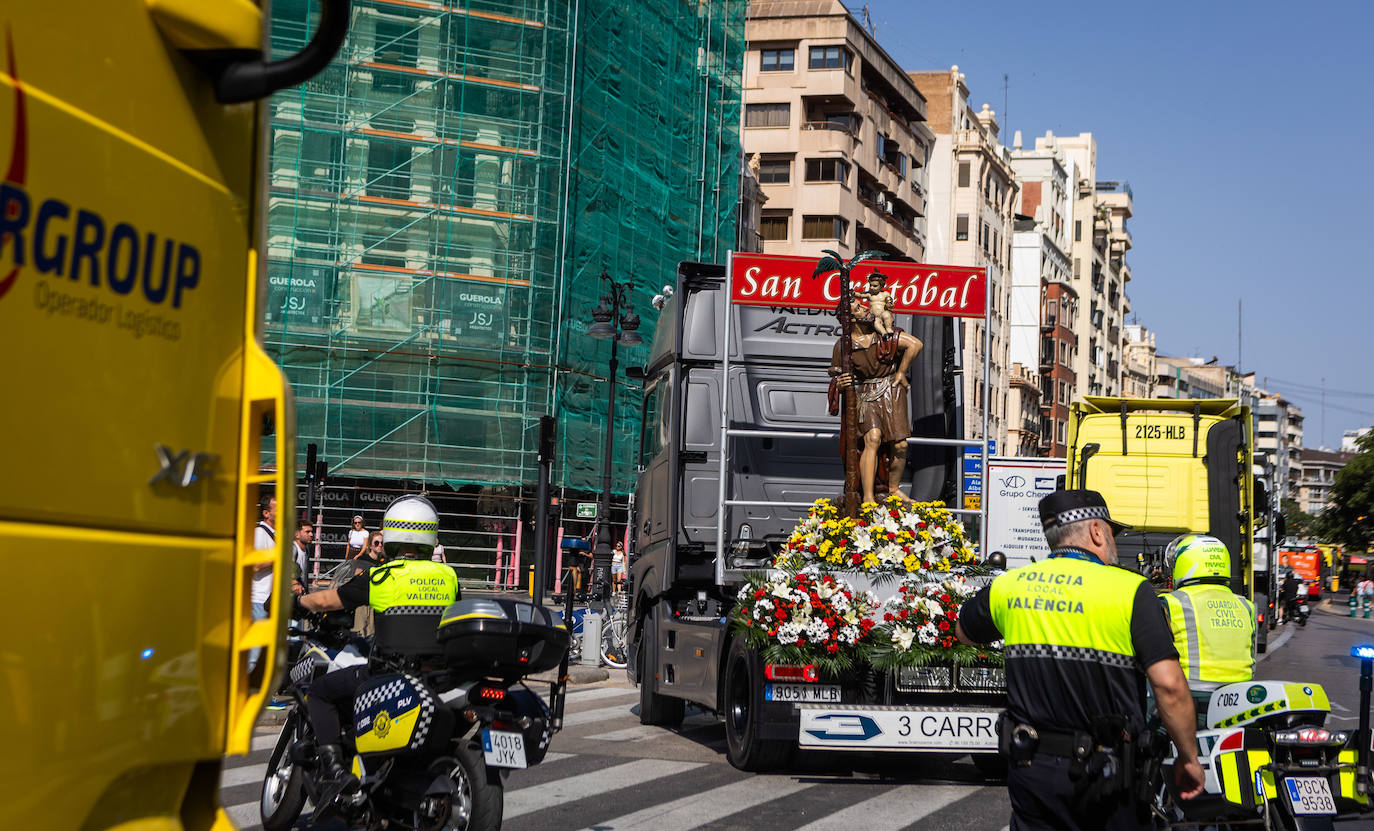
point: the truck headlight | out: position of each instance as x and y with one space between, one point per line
924 679
982 679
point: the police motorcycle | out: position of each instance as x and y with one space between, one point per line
432 736
1269 760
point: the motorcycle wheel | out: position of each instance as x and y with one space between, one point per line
283 789
472 798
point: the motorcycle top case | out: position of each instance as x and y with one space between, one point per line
1263 702
501 637
398 714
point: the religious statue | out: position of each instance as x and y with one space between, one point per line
878 380
869 371
879 303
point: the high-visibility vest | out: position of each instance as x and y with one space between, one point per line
1214 632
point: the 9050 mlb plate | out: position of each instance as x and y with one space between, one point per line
898 728
503 750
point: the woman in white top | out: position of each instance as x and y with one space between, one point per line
618 567
357 537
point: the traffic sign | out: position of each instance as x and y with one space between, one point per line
586 510
977 451
973 484
973 465
972 501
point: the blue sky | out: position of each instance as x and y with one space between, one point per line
1244 130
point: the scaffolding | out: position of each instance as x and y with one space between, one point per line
443 198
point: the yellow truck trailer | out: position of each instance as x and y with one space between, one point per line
1167 467
138 404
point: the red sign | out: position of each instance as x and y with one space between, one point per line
916 288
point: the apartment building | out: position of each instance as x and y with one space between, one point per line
1100 240
1024 437
1139 368
973 194
1043 299
839 131
1319 469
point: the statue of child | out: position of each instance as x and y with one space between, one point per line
880 303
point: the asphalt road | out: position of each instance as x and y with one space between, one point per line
607 772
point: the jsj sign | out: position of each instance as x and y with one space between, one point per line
774 280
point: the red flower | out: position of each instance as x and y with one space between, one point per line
801 578
832 648
856 558
903 614
748 622
811 548
893 513
944 598
863 523
844 542
891 536
759 593
888 617
944 626
781 615
920 525
800 641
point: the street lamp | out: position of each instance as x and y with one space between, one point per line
611 320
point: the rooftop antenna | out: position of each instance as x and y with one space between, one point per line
1006 119
1240 333
868 24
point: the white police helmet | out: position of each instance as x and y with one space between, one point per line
410 520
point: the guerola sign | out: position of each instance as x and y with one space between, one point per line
916 288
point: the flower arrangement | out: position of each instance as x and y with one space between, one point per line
891 537
918 626
805 617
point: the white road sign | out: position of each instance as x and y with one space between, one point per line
1013 489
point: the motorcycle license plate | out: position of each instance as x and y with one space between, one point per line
802 693
503 750
1310 795
1304 608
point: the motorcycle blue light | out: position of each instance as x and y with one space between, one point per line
1364 652
146 654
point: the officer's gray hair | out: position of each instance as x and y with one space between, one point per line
1075 533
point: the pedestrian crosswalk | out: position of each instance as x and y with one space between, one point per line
605 771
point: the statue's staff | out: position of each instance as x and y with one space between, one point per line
849 408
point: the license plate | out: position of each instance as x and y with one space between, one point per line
1304 608
802 693
898 728
1310 795
502 749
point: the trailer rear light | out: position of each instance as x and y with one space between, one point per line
782 672
982 679
925 679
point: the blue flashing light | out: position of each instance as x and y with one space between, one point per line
1364 653
148 653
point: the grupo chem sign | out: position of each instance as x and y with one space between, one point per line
916 288
1013 490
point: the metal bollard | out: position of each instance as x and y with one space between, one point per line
1354 603
591 640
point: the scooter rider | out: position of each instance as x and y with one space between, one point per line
1214 628
409 594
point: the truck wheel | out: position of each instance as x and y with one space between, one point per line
743 699
661 710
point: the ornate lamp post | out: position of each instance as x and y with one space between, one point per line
611 320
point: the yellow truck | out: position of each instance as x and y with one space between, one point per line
1167 467
138 404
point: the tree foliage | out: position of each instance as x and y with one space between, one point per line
1349 517
1297 522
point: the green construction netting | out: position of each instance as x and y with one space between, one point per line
443 198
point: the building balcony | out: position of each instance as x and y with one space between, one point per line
825 136
832 86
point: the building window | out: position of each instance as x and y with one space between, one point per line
1059 432
824 227
397 43
963 174
1077 237
767 115
321 161
961 227
774 226
830 57
891 152
775 171
777 60
827 170
388 170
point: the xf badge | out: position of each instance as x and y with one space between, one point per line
183 469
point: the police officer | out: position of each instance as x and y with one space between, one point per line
1081 639
408 586
1213 628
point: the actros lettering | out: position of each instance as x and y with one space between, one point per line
81 245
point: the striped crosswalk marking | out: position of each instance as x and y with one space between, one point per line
599 714
895 808
243 775
579 696
632 774
699 809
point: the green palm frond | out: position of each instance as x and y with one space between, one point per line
827 265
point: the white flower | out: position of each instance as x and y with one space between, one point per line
862 541
902 636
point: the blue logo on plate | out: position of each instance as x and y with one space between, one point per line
846 728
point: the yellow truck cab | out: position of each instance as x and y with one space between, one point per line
1167 467
138 406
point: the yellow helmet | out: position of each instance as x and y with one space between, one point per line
1198 557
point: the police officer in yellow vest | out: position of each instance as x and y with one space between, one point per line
409 594
1081 638
1213 628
